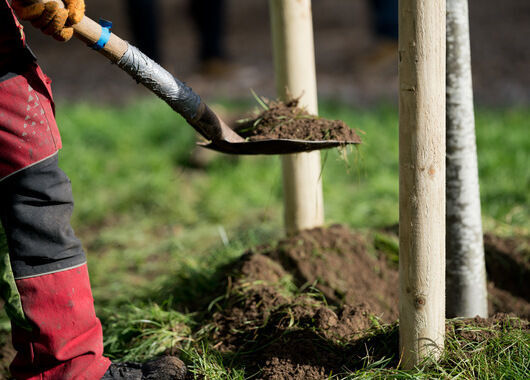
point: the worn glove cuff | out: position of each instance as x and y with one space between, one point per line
76 11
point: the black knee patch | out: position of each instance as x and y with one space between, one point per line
36 205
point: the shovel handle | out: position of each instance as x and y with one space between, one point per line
144 70
89 31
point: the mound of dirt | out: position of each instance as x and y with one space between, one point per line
485 328
312 305
344 266
508 268
288 121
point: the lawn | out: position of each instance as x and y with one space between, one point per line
157 231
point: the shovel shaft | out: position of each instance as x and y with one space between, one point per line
89 31
144 70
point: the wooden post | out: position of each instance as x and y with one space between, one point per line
294 61
421 179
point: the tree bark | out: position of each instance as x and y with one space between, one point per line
421 180
466 294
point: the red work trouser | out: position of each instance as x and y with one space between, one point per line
45 281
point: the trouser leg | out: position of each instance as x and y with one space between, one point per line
209 19
60 336
385 18
143 18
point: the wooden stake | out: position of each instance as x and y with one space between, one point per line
421 179
294 61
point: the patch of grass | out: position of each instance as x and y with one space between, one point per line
144 331
207 363
501 351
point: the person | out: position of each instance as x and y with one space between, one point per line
384 14
44 278
385 19
143 19
208 18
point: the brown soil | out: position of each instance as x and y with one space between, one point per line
485 329
508 267
312 304
285 120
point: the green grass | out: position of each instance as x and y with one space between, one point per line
505 355
127 163
155 230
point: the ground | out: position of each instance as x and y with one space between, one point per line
192 252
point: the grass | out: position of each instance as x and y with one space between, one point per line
157 231
504 355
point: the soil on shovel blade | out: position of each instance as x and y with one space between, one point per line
316 303
285 120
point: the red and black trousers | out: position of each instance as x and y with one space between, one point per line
43 274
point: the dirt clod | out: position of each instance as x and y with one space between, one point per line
285 120
481 329
508 267
164 368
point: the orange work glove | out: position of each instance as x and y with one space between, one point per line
49 17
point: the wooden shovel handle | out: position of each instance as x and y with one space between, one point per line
202 118
89 31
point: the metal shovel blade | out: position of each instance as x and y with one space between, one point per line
224 139
270 146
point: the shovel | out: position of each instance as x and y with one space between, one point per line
181 98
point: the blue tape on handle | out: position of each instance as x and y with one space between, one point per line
106 26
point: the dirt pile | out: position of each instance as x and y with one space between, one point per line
288 334
288 121
313 304
481 329
508 268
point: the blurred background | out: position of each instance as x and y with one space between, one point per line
356 61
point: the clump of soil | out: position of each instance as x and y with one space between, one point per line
344 267
481 329
313 304
285 120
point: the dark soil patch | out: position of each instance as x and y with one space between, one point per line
508 268
344 266
481 329
288 121
7 354
509 256
313 305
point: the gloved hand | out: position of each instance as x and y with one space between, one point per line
49 17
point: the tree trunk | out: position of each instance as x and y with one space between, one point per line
421 180
466 294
